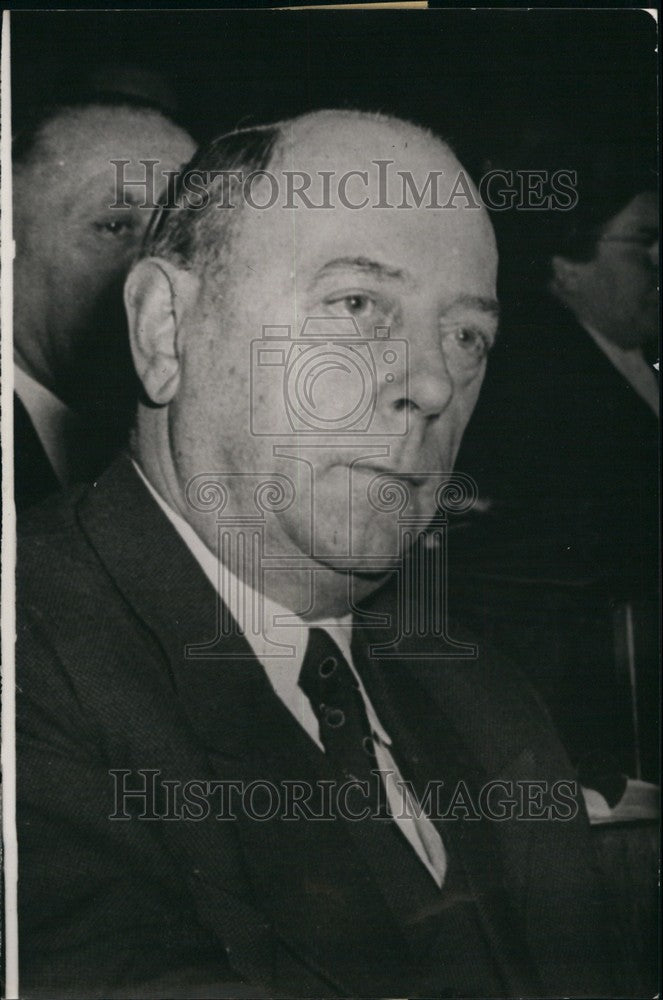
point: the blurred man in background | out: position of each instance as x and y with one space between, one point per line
580 419
564 448
74 381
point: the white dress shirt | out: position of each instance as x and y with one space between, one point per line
58 428
280 648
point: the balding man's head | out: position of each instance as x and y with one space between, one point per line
72 248
316 315
300 163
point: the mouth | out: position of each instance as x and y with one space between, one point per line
412 478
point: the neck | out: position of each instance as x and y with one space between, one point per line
37 357
33 348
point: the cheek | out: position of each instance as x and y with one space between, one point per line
451 429
83 275
468 396
624 291
75 287
211 410
615 281
473 390
99 258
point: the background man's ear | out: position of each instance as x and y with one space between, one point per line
565 274
156 296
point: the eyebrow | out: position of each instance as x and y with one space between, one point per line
133 198
373 267
486 305
380 270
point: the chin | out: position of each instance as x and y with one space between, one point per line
336 591
365 548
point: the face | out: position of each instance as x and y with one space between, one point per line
302 404
617 291
73 250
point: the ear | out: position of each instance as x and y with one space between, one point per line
156 296
565 274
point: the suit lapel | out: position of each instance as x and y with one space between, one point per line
431 749
302 880
34 475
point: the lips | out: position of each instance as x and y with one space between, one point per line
413 478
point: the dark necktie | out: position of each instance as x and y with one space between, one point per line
333 691
345 732
443 937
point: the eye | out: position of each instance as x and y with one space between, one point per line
357 304
472 341
465 347
114 227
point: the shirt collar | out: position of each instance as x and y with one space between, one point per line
57 427
280 645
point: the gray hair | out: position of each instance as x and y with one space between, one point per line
190 235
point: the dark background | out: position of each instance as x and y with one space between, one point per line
490 80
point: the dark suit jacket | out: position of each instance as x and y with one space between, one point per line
34 478
110 598
568 453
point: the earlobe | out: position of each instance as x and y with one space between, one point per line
565 274
156 296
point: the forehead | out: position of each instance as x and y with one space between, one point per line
80 145
384 165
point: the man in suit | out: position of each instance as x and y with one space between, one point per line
564 447
225 777
572 396
73 375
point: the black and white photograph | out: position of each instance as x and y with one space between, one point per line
330 503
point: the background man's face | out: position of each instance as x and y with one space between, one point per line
72 249
428 275
619 287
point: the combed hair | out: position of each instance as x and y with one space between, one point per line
189 235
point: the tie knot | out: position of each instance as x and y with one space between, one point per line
325 671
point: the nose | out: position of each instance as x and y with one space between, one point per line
427 387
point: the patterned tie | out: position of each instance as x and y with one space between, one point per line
333 691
